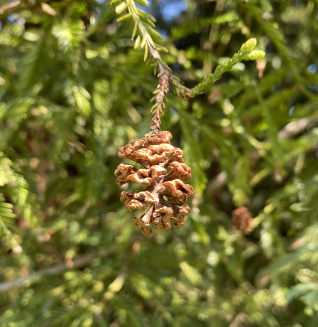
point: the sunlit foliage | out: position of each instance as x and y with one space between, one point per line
73 89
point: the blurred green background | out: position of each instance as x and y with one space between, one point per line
73 90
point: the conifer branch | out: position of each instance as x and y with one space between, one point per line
245 53
145 32
146 37
59 268
290 130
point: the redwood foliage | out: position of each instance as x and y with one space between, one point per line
73 90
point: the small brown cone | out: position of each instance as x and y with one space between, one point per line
166 193
242 219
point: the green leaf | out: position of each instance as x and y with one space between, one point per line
254 55
299 290
143 3
68 34
7 220
121 7
31 61
82 98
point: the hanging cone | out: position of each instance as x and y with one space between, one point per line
166 193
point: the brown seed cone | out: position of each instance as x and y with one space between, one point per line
242 219
166 193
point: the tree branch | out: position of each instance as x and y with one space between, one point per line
9 6
290 130
60 268
296 127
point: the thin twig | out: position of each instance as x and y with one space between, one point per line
296 127
9 6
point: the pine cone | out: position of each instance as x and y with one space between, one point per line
166 193
242 219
